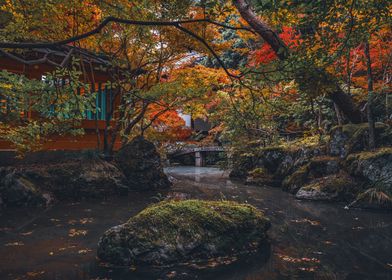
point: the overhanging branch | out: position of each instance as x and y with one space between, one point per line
106 21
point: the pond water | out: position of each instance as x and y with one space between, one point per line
308 240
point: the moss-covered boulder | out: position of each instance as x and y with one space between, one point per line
317 167
296 180
337 187
141 164
375 167
268 158
19 190
173 232
352 138
298 153
242 163
38 185
261 177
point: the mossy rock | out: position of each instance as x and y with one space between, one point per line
268 158
242 163
351 138
18 190
278 161
173 232
317 167
375 167
296 180
141 164
38 185
261 177
337 187
323 166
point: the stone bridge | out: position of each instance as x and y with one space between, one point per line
198 151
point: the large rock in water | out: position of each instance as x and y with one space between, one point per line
189 230
141 164
275 162
38 185
317 167
374 169
17 190
336 187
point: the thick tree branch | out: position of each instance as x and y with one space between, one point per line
341 99
262 29
106 21
176 24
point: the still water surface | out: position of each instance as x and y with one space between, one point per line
308 240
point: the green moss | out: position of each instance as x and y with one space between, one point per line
357 135
352 129
331 184
192 217
308 142
322 159
258 172
29 185
369 155
296 180
176 231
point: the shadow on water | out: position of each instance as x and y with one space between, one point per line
308 240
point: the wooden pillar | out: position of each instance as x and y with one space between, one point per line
199 160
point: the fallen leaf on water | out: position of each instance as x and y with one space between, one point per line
313 223
104 264
26 233
17 243
308 269
76 232
35 273
357 228
84 251
297 260
171 274
86 221
72 222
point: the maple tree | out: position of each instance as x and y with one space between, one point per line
309 52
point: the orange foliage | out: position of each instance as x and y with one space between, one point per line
169 123
380 54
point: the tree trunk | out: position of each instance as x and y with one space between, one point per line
369 108
342 100
338 115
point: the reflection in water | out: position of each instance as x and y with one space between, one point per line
308 240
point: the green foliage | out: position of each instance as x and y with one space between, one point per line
56 103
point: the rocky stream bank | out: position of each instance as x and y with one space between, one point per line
338 169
